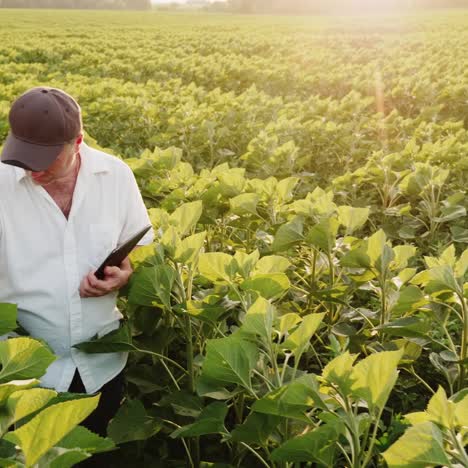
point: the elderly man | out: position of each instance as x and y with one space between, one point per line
63 207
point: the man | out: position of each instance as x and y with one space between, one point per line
63 207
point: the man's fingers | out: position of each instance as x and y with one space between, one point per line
88 290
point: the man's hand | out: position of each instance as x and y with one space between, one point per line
114 279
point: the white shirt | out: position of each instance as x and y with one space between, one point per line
44 257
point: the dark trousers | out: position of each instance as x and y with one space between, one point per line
109 402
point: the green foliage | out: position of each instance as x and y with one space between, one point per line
307 284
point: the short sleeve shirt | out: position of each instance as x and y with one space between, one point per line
44 257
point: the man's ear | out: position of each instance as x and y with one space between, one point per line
79 139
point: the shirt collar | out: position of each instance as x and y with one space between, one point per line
89 163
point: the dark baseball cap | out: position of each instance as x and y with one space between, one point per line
42 121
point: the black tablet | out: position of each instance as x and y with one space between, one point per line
118 255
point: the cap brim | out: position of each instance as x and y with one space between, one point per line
28 155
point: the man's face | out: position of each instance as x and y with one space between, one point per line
60 169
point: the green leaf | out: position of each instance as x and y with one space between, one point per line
152 285
441 410
23 403
8 388
339 372
288 321
437 279
210 421
410 299
285 188
352 218
271 264
259 319
375 377
356 258
246 262
462 265
230 360
48 427
188 249
245 203
115 341
299 340
132 423
402 254
170 240
210 309
291 400
58 457
84 439
217 266
287 235
407 326
375 246
323 234
256 428
23 358
8 314
449 213
268 285
186 217
421 446
317 446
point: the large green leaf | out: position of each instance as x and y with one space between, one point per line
152 285
210 421
352 218
58 457
188 249
23 403
415 327
8 388
323 234
84 439
339 372
288 234
291 400
115 341
285 188
421 446
217 266
271 264
48 427
186 217
245 203
299 340
23 358
376 245
256 429
438 279
402 254
317 446
410 298
230 360
259 319
246 262
268 286
462 265
132 423
375 376
8 314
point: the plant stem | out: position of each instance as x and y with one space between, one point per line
464 343
248 447
374 436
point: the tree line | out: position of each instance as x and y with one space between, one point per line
79 4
